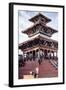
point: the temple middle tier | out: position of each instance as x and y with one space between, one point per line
39 42
39 27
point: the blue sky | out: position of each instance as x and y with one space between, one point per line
24 22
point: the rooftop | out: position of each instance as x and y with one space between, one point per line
43 26
41 16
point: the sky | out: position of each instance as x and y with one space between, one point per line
24 23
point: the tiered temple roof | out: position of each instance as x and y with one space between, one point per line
39 41
40 26
40 16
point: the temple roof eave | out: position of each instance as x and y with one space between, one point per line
51 40
29 28
45 26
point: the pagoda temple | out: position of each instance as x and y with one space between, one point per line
40 52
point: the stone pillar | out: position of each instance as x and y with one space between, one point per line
33 54
53 54
36 54
27 56
39 54
48 54
43 54
30 55
39 58
24 56
56 55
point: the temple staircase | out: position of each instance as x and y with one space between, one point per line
47 68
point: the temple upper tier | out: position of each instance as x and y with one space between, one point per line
41 17
40 26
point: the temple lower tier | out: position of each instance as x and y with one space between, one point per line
45 60
39 54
